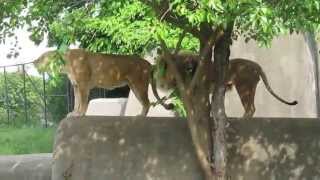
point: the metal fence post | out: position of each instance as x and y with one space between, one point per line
68 96
25 94
6 94
45 99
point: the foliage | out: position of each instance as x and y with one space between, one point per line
130 27
16 101
26 140
178 104
128 30
256 19
53 66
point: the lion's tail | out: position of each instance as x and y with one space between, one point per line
155 92
266 83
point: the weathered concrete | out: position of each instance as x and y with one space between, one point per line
26 167
131 148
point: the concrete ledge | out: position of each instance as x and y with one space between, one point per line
26 167
132 148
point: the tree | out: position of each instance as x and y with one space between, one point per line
135 26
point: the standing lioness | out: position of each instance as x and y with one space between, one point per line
87 70
243 74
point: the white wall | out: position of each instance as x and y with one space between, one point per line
289 68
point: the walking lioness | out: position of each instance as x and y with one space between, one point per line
87 70
243 74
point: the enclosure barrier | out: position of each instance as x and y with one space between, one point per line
29 84
135 148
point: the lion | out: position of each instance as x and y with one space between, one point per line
243 74
87 70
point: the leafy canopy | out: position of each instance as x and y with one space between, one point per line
129 26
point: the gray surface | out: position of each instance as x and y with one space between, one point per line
100 148
289 67
129 148
26 167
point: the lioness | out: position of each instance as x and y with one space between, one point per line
242 73
87 70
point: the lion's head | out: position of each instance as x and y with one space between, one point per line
49 61
185 62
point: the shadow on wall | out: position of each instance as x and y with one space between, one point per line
136 148
275 149
124 148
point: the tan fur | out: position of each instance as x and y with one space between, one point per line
87 70
243 74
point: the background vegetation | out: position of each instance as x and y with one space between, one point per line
31 100
26 140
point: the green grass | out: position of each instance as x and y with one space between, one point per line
25 140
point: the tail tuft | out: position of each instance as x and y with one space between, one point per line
169 106
294 103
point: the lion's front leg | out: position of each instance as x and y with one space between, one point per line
76 98
83 99
80 101
140 89
76 107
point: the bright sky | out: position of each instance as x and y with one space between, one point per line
29 51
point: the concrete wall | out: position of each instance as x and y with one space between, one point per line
132 148
26 167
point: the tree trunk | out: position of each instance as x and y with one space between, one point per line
198 109
198 115
221 61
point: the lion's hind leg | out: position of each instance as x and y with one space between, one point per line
142 96
140 90
247 94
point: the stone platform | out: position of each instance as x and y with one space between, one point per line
133 148
26 167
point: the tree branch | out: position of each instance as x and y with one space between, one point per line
165 13
221 61
169 59
196 78
162 9
178 47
